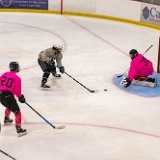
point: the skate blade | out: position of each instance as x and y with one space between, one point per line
8 123
22 134
57 77
45 89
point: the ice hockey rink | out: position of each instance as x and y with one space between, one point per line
107 125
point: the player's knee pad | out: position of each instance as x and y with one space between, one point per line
18 113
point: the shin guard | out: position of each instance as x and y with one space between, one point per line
18 118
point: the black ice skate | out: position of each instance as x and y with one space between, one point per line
7 121
20 131
44 85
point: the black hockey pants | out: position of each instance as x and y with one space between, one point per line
8 101
47 69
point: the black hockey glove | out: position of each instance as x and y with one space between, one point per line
125 82
22 99
61 69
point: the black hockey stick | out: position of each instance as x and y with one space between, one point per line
58 127
128 68
7 154
92 91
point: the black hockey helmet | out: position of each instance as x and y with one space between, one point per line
133 53
14 66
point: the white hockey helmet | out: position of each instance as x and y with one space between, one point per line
57 47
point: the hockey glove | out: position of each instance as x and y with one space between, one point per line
22 99
61 69
125 82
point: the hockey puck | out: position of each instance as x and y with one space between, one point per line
105 89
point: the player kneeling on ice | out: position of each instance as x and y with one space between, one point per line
46 60
10 86
140 69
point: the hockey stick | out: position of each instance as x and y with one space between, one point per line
128 68
92 91
58 127
7 154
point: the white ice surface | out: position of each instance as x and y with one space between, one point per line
111 125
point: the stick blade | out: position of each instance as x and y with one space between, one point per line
94 91
60 127
119 76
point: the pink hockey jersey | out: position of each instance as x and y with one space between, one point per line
140 66
10 81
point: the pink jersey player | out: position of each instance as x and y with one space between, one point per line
10 86
140 66
10 81
140 69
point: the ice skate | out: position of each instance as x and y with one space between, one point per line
56 75
44 85
20 131
7 121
